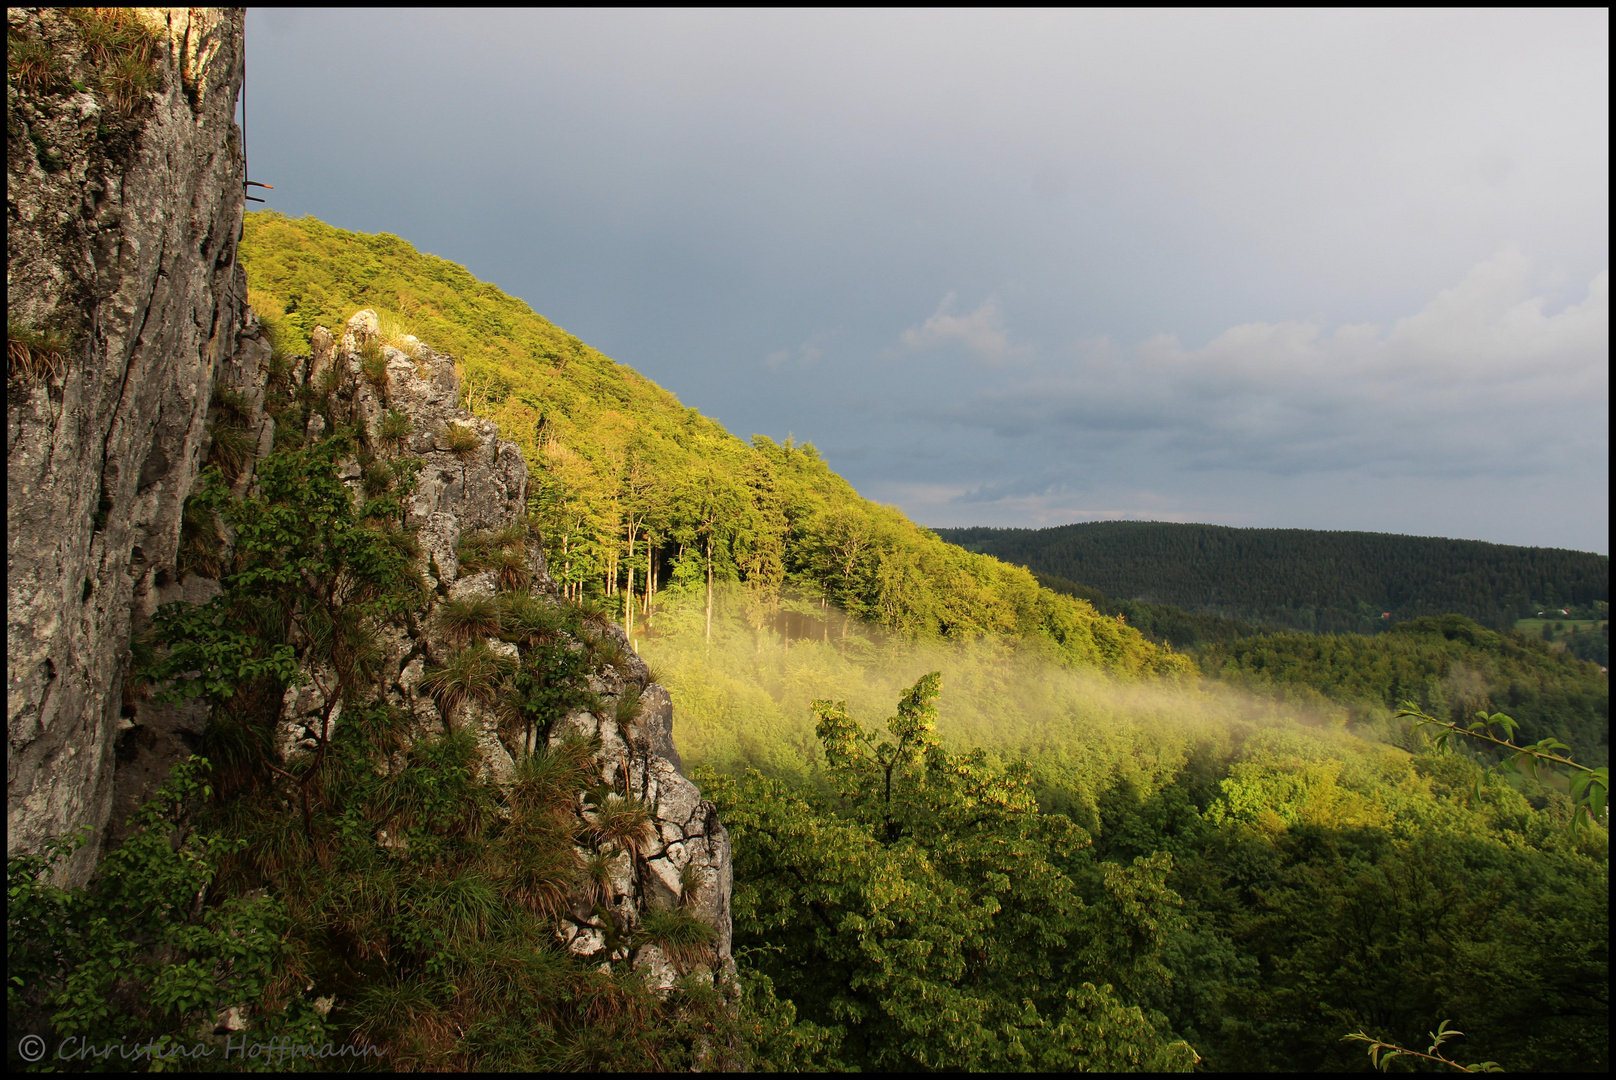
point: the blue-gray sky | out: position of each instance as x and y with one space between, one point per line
1341 270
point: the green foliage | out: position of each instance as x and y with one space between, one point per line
1381 1054
1319 582
504 551
151 950
471 619
123 48
680 934
927 913
392 429
474 673
1589 788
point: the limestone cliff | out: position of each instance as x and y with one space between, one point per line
473 482
124 195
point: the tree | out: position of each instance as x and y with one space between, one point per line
924 910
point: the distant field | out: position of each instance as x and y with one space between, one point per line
1534 627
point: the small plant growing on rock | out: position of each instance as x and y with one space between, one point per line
32 65
232 447
473 675
32 354
373 363
622 822
679 933
201 549
119 42
462 442
628 704
378 479
528 621
470 620
392 429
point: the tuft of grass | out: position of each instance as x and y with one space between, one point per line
528 620
546 782
474 674
392 429
596 877
503 551
679 933
124 48
623 822
128 83
594 610
462 442
372 363
377 478
469 620
201 549
607 650
232 406
628 704
396 332
33 66
231 448
689 883
327 383
34 354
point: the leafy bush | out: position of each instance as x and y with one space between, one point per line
148 951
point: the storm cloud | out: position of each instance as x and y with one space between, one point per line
1320 269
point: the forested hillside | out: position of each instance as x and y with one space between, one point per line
632 490
1448 665
1303 579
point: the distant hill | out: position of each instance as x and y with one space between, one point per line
1303 579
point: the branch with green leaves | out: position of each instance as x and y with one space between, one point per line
1590 788
1382 1052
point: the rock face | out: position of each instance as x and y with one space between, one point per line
123 220
472 481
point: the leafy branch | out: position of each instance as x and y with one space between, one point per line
1382 1052
1590 788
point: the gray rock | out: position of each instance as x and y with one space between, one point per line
129 244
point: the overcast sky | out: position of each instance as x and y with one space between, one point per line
1339 270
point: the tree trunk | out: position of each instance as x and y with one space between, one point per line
650 577
628 594
709 588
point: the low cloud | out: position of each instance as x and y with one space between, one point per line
980 333
803 356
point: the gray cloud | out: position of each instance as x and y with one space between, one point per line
1468 386
1321 267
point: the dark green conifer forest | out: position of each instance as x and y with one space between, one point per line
982 819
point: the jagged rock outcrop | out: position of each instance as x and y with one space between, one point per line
472 481
124 207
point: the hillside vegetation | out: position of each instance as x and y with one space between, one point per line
632 490
1303 579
